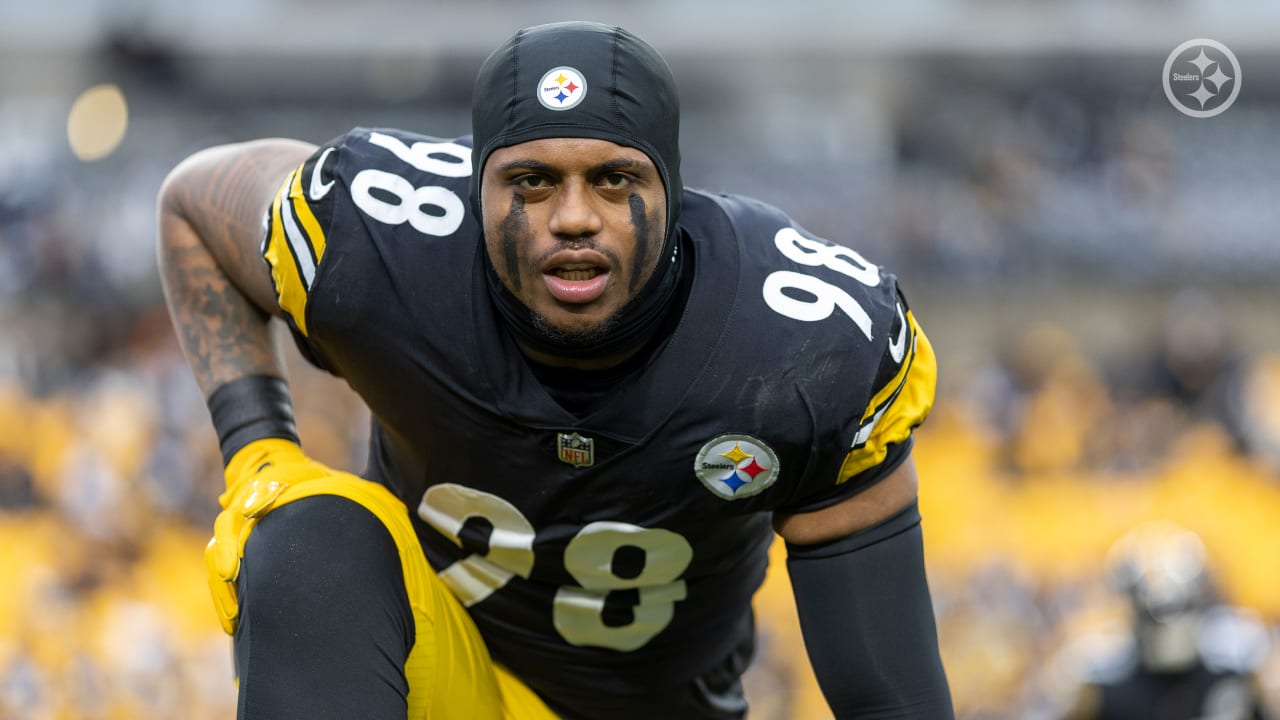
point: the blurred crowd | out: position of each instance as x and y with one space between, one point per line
1041 453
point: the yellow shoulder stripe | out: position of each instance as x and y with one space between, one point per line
294 247
885 395
306 218
897 408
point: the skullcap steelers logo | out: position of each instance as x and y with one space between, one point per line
561 88
736 466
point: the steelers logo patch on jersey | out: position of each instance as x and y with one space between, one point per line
736 466
561 88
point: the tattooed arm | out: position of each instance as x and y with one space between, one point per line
216 284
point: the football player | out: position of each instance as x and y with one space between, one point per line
596 395
1187 655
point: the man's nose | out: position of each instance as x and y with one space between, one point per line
575 212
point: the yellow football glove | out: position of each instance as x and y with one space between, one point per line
256 476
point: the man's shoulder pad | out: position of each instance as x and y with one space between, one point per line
415 156
356 136
1233 640
746 214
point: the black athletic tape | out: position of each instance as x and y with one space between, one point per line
251 408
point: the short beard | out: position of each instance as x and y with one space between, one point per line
584 338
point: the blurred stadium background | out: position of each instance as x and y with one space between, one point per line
1096 270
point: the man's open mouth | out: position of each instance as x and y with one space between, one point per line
577 274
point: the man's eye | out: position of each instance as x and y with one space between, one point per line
533 182
616 180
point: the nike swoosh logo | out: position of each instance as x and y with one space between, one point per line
319 189
898 347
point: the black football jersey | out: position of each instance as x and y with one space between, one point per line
1197 692
616 553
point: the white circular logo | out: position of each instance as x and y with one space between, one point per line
561 88
736 466
1202 78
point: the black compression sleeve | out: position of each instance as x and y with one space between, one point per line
868 622
325 624
251 408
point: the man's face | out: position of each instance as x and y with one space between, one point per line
573 227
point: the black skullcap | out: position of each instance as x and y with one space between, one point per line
582 80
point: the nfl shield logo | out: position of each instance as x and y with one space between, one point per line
576 450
